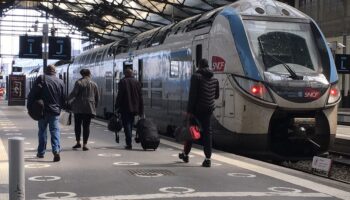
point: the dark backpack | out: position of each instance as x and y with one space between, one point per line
36 110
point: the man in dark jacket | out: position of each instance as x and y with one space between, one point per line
129 103
84 98
204 89
51 89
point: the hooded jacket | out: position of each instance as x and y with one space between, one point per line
204 89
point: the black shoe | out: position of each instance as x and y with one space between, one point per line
56 157
76 146
184 157
39 156
128 147
206 163
85 148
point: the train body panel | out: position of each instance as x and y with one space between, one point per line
277 79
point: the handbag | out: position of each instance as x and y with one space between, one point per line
115 123
188 132
65 118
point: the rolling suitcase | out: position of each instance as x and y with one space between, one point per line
147 134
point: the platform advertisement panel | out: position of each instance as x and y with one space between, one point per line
17 85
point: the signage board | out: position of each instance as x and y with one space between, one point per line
30 47
342 62
16 69
17 85
60 48
321 166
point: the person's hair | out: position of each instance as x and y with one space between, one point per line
85 72
128 72
50 69
203 63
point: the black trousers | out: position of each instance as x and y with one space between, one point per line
206 136
85 120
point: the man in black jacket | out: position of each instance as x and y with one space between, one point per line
204 90
51 89
129 103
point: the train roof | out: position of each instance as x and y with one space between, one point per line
157 36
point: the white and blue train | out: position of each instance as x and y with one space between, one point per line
278 81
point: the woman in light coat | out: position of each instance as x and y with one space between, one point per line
84 100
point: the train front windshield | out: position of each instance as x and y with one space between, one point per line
277 44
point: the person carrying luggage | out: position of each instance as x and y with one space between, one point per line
51 90
204 89
129 103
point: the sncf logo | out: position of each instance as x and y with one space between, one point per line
218 64
311 93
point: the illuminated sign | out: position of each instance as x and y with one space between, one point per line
30 47
342 61
60 48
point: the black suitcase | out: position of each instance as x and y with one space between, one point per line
147 134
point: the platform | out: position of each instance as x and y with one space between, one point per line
107 171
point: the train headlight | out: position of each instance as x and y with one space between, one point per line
254 88
334 94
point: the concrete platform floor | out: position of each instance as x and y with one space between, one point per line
107 171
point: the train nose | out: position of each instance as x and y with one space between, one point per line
295 133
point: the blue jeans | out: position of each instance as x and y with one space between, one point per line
52 121
128 121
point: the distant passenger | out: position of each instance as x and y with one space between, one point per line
84 100
129 103
204 90
51 89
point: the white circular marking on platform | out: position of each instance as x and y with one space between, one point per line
148 175
54 195
212 163
67 133
170 149
34 166
27 143
125 163
177 155
11 134
29 156
70 137
44 178
91 142
177 190
30 149
106 130
108 154
284 189
241 175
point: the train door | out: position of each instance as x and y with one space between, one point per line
200 48
225 107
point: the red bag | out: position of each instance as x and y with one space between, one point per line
195 132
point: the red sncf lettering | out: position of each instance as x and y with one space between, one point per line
218 63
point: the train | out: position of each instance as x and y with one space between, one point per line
278 81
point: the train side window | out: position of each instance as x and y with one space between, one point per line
174 69
198 53
109 81
65 77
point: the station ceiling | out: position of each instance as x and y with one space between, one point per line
110 20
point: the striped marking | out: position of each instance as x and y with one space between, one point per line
272 173
201 195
